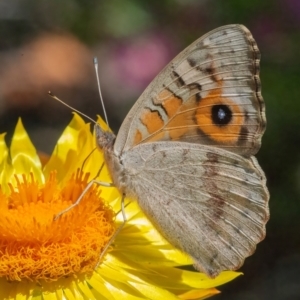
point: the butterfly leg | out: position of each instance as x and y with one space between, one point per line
107 184
116 232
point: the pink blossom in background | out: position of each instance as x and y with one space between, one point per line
127 67
136 63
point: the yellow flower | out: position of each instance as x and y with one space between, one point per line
44 258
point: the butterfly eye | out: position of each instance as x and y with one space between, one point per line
221 114
104 139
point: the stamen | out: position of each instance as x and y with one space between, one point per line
35 247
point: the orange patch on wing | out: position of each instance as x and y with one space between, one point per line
178 127
180 118
172 105
226 134
152 120
169 101
160 136
163 95
137 137
183 123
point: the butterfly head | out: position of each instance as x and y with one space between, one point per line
104 139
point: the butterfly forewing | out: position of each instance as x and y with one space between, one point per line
209 94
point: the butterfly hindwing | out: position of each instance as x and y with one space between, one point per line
207 202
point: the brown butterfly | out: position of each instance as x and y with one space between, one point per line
185 151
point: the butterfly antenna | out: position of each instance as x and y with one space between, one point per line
99 89
67 105
85 160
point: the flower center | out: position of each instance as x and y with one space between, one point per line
34 246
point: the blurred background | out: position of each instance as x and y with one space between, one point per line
50 45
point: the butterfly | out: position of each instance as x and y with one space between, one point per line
185 151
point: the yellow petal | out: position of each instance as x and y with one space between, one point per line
3 149
3 164
23 158
199 294
23 154
67 155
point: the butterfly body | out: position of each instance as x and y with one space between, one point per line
185 151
